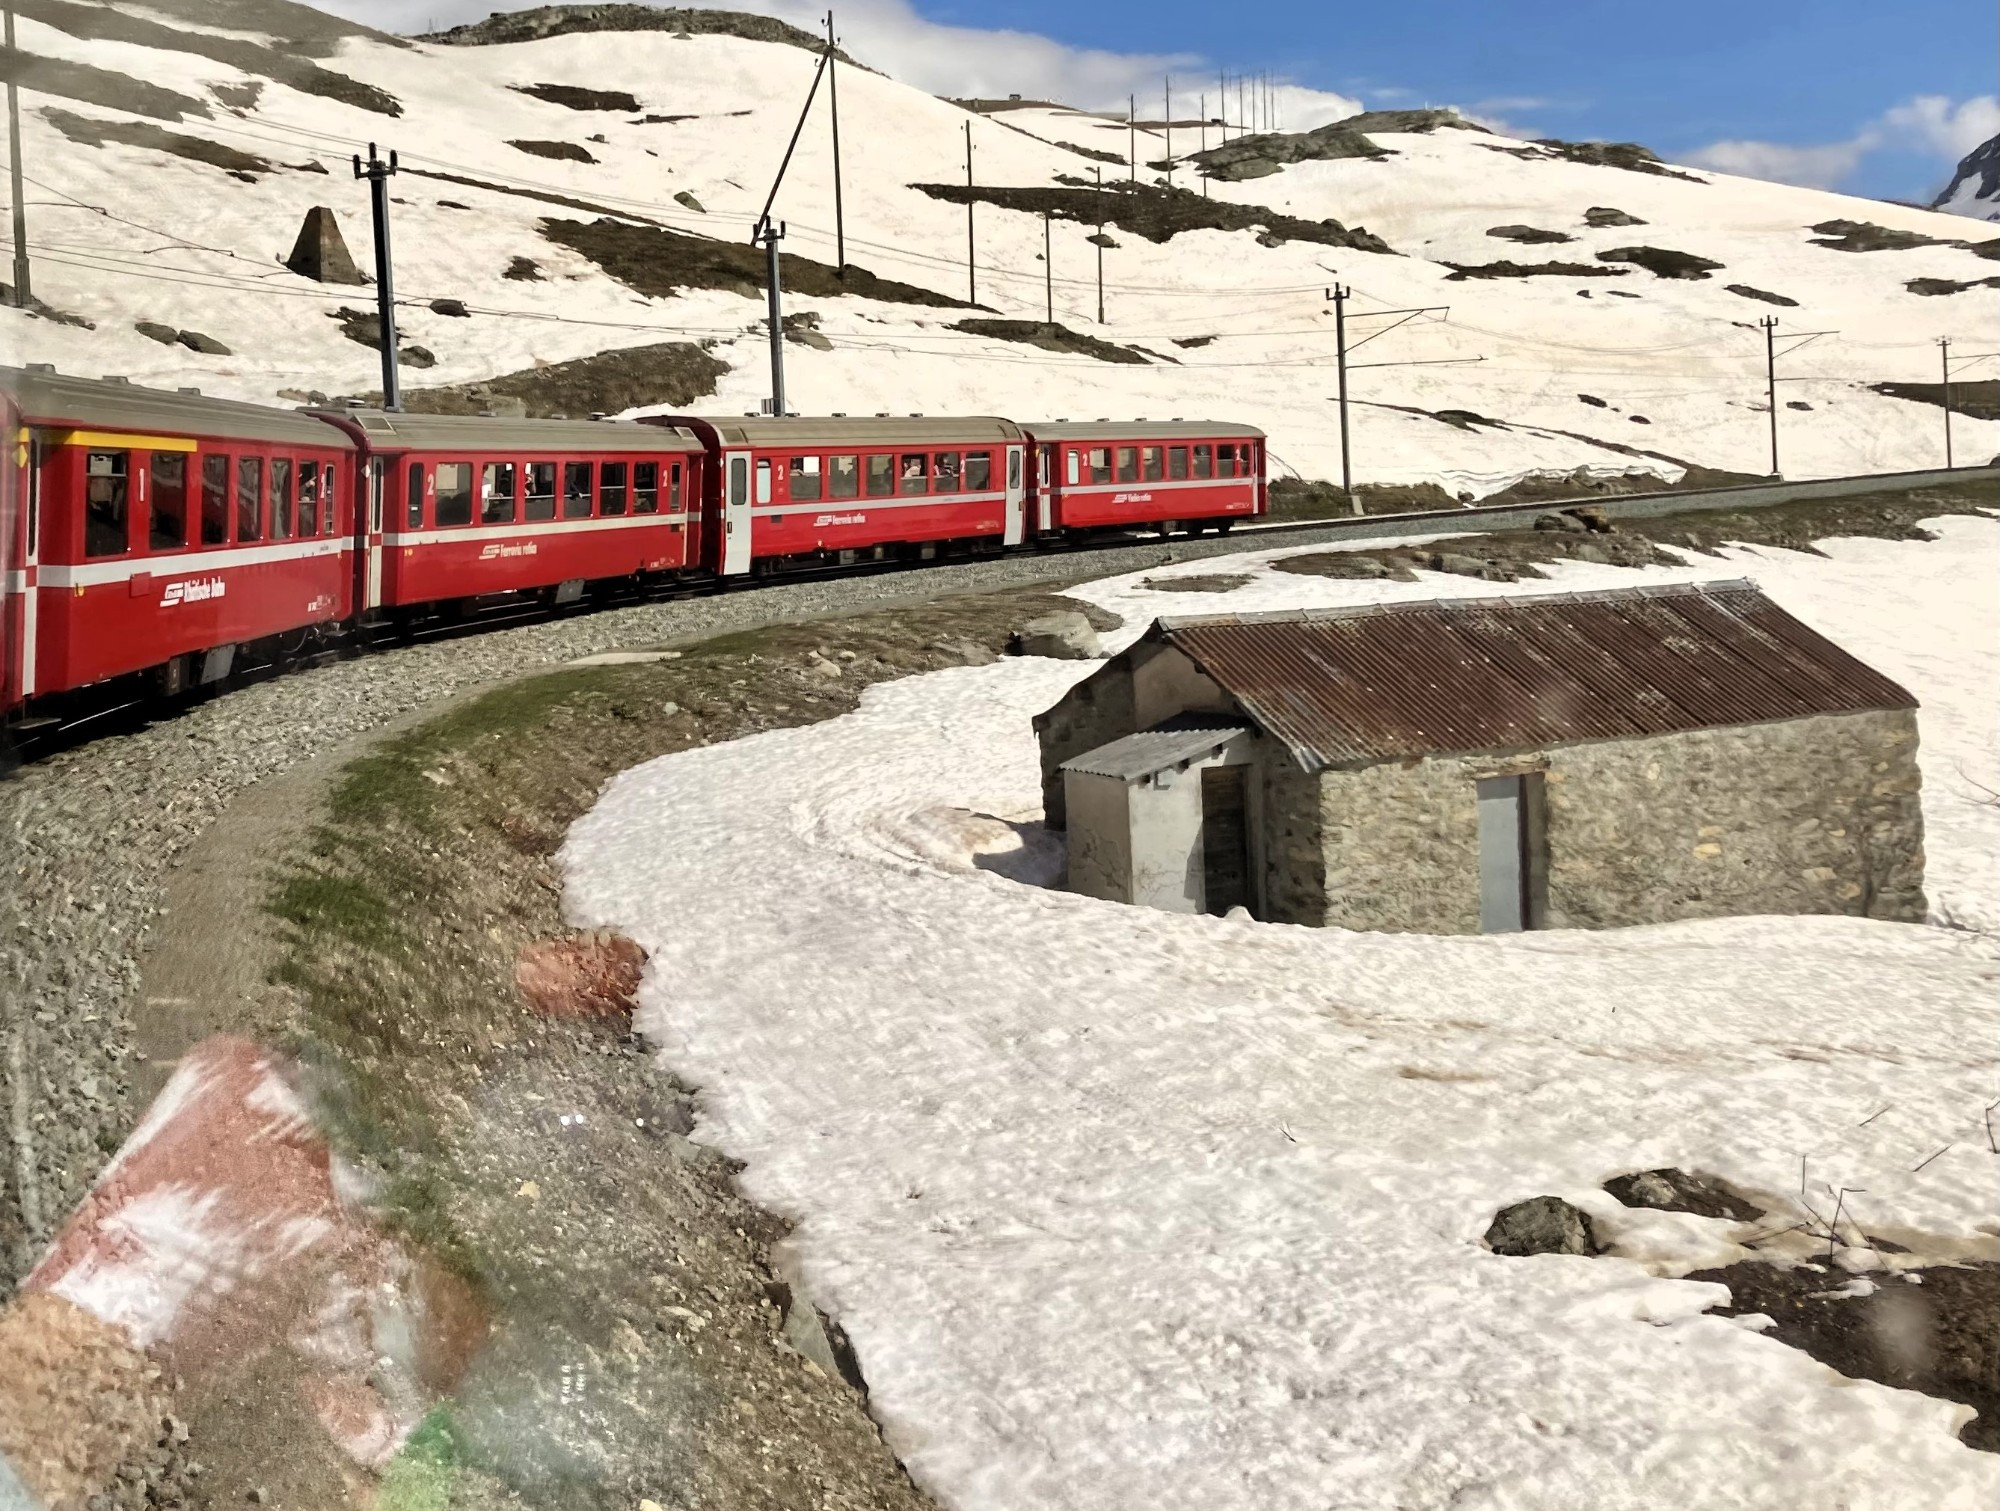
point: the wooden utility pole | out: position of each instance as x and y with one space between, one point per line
971 276
378 173
1099 241
1944 364
1770 324
1168 127
1132 133
1049 265
22 292
1339 295
839 211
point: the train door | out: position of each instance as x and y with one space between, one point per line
370 596
1017 497
1045 488
736 512
30 579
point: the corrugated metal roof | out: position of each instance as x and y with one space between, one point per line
500 433
55 400
1137 430
834 431
1451 676
1185 737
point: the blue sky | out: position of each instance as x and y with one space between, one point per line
1676 77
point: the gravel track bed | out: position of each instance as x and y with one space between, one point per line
90 833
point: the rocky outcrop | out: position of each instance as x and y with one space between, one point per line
1975 188
1609 215
1662 262
1529 235
1419 121
1746 291
1264 154
1541 1225
1064 635
562 20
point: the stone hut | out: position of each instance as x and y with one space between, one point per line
1482 765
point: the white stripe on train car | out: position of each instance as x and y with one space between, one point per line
93 574
439 535
873 501
1076 490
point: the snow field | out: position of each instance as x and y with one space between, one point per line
1129 1209
1685 355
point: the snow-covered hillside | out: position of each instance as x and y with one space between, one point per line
1127 1210
187 232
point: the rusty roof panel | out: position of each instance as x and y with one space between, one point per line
1400 680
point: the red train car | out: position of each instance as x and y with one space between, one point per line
457 507
162 532
788 491
1173 474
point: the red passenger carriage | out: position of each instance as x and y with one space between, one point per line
1138 474
163 533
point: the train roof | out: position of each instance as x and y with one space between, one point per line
1134 430
853 430
51 399
390 431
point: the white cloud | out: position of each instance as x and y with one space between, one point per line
1929 123
959 61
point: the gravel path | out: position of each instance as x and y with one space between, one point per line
90 834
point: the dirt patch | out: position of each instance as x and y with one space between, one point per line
239 97
97 86
1662 262
1936 286
1934 1329
592 975
1979 399
523 270
646 1343
1628 155
1054 338
1529 235
610 382
575 97
1765 295
658 261
568 152
89 132
500 28
1506 269
299 72
1157 212
1219 582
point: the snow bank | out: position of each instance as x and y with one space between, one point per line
1132 1210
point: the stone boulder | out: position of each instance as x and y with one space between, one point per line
1608 215
1064 636
1541 1225
1266 153
1672 1190
321 252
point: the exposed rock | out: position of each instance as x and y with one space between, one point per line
571 97
1662 262
1797 404
1764 294
1266 153
1099 239
1607 215
1638 419
89 131
1529 235
672 372
152 330
1192 341
1541 1225
503 27
568 152
1055 338
1467 419
1505 269
1156 212
689 202
1672 1190
1979 398
1418 121
1975 188
195 341
1628 155
1562 522
320 252
1935 286
453 307
1064 635
1866 236
415 356
523 270
1593 401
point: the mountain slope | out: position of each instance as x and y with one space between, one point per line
1975 188
179 215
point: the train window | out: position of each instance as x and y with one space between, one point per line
979 470
914 472
674 487
215 500
281 498
1100 464
249 498
803 477
1204 461
1075 465
577 489
944 474
1177 461
739 480
764 481
496 494
645 487
541 490
1225 461
611 488
881 476
1128 464
308 498
843 476
167 527
451 486
378 488
327 500
1152 463
1014 468
104 516
414 481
